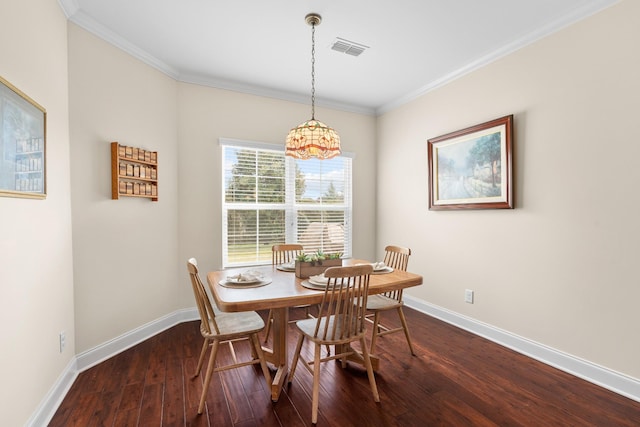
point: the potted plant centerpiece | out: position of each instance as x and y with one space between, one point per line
312 264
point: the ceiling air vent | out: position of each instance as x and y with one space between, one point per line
348 47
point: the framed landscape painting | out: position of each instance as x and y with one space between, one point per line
472 168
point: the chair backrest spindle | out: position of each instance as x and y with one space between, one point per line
342 310
207 313
285 253
396 257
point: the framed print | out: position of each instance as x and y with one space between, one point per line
22 144
472 168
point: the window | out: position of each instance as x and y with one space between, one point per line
269 198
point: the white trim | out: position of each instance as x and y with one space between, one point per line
599 375
265 92
108 349
52 400
257 145
88 23
69 7
85 360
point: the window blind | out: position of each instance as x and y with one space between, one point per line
269 198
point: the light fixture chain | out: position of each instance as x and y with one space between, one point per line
312 138
313 71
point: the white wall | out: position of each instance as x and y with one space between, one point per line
207 114
36 276
560 269
125 251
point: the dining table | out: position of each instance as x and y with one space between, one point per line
278 290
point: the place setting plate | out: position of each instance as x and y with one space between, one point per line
245 280
382 270
380 267
318 282
287 266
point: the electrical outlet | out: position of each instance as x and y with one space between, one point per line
63 341
468 296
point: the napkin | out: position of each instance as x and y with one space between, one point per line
247 276
319 279
380 265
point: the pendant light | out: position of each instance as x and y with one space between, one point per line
312 138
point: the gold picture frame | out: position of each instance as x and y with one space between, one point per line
472 168
22 144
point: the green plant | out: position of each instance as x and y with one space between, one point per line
317 257
302 257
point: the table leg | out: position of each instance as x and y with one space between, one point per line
279 356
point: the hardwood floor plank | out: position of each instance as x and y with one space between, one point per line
106 409
131 397
116 376
237 401
193 385
156 364
262 409
127 418
287 410
152 405
174 397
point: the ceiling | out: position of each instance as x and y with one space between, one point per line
264 47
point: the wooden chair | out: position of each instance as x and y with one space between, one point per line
282 254
219 327
340 321
397 258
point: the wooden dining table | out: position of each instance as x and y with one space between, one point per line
284 290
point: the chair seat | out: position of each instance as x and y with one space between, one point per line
308 327
235 324
381 302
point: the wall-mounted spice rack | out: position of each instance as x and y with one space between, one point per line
134 172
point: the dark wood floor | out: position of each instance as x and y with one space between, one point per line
456 379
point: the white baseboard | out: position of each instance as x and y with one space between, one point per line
85 360
606 378
53 399
102 352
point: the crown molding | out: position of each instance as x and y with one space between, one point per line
69 7
273 93
91 25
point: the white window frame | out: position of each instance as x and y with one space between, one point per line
290 206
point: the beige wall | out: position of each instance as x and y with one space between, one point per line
130 254
36 282
560 269
125 250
